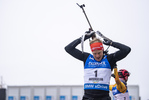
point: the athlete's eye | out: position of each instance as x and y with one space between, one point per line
94 53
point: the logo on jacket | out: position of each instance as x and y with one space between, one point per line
97 63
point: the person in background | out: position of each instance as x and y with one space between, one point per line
98 65
119 89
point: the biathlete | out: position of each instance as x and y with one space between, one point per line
98 65
119 89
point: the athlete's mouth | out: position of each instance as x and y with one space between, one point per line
98 58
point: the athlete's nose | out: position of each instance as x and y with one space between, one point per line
97 55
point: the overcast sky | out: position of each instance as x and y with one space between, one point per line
33 34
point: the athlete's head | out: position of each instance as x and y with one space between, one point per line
97 48
124 74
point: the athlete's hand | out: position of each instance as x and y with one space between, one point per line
107 42
112 75
89 34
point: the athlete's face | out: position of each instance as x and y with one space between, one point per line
126 78
98 54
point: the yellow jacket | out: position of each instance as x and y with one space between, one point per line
119 85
